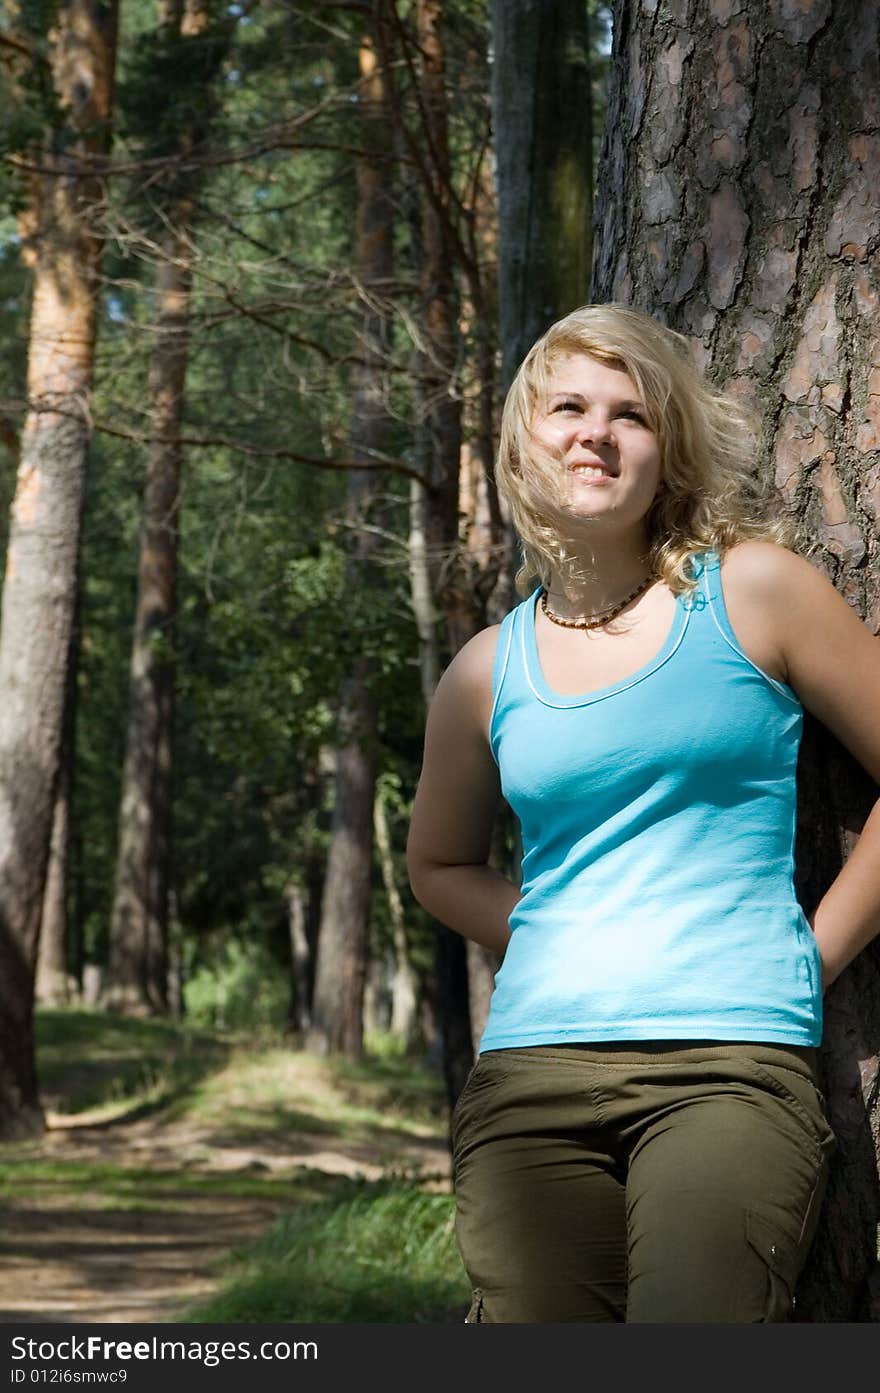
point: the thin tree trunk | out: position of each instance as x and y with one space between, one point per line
441 462
137 968
403 985
42 557
541 100
52 984
737 201
343 941
298 1012
421 591
54 981
542 107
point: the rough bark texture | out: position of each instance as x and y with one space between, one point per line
542 108
737 201
40 584
343 942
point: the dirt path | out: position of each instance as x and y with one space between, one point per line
65 1259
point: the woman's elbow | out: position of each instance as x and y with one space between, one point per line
416 869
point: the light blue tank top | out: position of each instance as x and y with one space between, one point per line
658 821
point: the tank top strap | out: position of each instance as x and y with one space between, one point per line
502 652
708 600
507 676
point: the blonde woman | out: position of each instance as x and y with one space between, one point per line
642 1137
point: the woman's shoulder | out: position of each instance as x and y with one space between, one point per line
777 602
764 569
463 697
831 655
472 665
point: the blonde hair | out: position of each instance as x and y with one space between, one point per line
709 496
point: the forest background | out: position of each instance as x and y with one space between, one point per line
265 271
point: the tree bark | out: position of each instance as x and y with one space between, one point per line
737 201
343 941
40 584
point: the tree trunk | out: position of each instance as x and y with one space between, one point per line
52 984
737 201
137 968
421 591
298 1015
343 941
542 112
440 451
41 568
404 994
137 972
542 107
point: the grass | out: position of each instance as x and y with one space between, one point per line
90 1060
384 1254
343 1249
104 1186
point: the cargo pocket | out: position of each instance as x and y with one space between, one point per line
475 1314
781 1259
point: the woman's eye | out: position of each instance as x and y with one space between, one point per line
634 416
567 406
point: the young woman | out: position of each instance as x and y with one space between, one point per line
642 1137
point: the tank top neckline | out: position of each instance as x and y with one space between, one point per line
545 693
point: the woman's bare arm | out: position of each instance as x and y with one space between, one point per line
456 804
832 661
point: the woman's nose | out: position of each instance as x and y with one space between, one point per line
594 426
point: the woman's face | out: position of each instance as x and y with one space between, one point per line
595 422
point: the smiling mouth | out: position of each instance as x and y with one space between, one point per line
591 471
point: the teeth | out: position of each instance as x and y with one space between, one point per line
591 471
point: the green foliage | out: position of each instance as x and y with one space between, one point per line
385 1253
272 614
183 68
240 988
29 104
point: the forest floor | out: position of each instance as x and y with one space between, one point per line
128 1210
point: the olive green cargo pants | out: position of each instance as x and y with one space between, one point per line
677 1181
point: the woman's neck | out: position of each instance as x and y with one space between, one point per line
597 580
